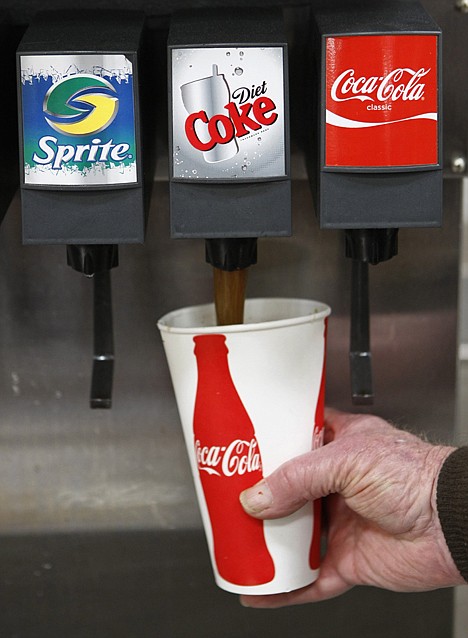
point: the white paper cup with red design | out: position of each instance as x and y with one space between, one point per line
250 397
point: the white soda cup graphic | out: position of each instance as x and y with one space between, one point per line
210 94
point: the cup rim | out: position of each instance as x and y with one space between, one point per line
319 310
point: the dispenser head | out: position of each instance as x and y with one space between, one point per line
375 140
81 152
229 131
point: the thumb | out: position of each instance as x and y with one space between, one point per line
304 478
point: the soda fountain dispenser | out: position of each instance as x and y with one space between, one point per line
229 140
375 147
84 182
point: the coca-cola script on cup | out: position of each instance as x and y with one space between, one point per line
381 101
250 396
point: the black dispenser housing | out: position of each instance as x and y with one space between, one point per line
84 179
375 156
229 125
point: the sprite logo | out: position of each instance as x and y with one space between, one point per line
78 120
81 105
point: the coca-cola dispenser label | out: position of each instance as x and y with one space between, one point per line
381 101
228 113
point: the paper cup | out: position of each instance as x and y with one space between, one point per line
250 397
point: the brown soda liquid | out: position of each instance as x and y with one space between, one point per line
229 295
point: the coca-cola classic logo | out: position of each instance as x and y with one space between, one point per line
382 96
239 457
399 84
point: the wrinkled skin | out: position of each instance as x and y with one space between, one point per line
383 527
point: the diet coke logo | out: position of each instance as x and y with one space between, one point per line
221 128
239 457
400 83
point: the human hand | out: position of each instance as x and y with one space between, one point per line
383 526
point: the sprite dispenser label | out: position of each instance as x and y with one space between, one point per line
78 120
228 113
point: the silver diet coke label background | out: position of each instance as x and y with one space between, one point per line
228 113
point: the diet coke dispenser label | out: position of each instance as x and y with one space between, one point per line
374 149
381 101
228 113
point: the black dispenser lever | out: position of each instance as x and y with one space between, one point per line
96 261
103 358
364 247
360 356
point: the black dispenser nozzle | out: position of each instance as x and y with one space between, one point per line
364 247
230 258
96 261
231 253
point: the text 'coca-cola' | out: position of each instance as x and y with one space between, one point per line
381 101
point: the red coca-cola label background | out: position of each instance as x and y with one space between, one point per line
229 461
381 101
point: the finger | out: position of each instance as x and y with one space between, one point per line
317 473
304 478
328 585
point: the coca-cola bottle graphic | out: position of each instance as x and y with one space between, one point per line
229 461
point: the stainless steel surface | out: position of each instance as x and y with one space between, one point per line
100 535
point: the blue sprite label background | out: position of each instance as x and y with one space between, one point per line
38 75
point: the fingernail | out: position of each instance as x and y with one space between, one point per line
257 498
